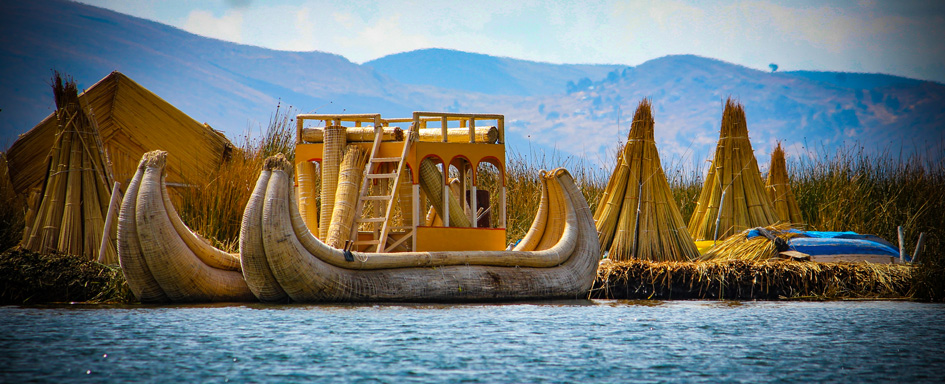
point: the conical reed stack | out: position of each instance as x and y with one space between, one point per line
733 197
638 216
779 191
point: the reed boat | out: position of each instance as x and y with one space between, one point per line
374 243
162 259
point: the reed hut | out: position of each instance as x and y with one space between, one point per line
70 217
637 217
733 197
131 121
778 187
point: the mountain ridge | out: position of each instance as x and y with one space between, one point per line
576 109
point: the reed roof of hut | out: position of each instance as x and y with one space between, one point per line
131 121
638 216
733 197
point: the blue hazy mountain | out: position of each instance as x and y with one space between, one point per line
480 73
579 110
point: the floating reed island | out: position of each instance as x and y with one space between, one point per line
365 219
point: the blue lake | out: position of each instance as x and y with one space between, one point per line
564 341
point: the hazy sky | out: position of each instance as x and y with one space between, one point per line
892 36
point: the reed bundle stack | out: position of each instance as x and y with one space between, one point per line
757 248
70 216
778 187
305 171
332 155
486 135
346 198
638 217
431 182
354 134
733 197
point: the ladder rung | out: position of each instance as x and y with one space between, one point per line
385 159
382 175
372 220
367 242
382 197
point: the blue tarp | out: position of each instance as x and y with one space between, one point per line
837 243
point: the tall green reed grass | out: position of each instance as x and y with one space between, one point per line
214 208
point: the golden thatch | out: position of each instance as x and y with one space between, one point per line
779 191
131 121
637 216
733 197
70 217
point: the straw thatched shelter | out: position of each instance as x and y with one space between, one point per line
779 190
638 217
733 197
131 121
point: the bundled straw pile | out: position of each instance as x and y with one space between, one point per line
333 151
431 182
733 197
346 198
637 216
779 191
758 248
306 195
70 217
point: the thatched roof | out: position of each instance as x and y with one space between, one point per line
131 120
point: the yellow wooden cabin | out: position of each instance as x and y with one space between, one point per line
395 212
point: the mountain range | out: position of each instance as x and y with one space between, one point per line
576 110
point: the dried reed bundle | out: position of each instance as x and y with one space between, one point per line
431 181
305 172
733 197
405 198
331 163
346 199
487 135
637 216
778 187
354 134
758 248
70 217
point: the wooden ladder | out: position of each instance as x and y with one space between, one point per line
365 195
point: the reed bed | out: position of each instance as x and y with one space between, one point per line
214 208
28 277
745 280
12 209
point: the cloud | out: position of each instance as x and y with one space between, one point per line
227 27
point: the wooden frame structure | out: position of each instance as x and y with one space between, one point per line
458 140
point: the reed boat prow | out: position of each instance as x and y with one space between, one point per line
161 258
283 260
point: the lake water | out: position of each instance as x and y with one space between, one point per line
570 341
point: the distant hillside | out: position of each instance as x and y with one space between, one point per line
576 109
688 93
224 84
480 73
856 80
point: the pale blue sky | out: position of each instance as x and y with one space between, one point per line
898 37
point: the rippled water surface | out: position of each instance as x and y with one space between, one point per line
579 341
